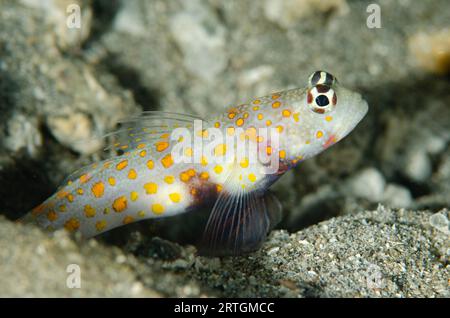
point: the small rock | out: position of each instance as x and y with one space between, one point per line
23 133
431 51
397 196
75 131
368 184
440 222
417 165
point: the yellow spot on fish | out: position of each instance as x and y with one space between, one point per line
112 181
120 204
252 177
100 225
230 131
280 129
134 195
157 208
122 165
204 175
260 116
72 224
244 163
217 124
98 189
319 134
80 191
275 96
276 104
62 208
218 169
188 152
84 178
150 164
52 215
141 214
296 117
132 174
255 108
282 154
169 179
151 188
268 122
204 161
220 150
231 115
175 197
70 198
143 153
328 118
239 122
128 219
257 101
89 211
269 150
140 146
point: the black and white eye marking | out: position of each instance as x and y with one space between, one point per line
321 99
322 78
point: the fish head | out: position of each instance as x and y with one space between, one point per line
327 113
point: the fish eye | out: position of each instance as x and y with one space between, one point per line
321 99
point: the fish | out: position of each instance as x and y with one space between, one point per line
166 163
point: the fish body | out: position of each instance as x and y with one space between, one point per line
182 162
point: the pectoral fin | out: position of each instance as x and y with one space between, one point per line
239 222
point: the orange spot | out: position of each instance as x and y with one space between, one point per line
100 225
268 122
260 116
121 165
132 174
98 189
275 96
140 146
286 113
269 150
328 118
239 122
231 115
62 194
70 198
164 136
128 219
150 164
330 141
62 208
204 175
282 154
80 191
219 187
89 211
38 210
257 101
280 129
84 178
191 172
151 188
120 204
143 153
161 146
167 161
184 177
72 224
52 215
276 104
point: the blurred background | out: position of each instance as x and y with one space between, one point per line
61 85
